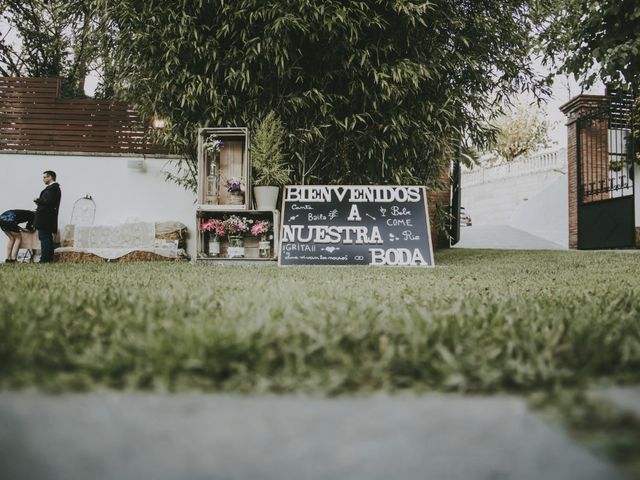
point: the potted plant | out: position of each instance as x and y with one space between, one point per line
616 165
270 172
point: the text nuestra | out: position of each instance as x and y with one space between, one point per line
331 234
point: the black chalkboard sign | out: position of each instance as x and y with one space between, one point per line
355 225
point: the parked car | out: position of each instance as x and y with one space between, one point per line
465 218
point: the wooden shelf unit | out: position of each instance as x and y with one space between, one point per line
234 161
250 242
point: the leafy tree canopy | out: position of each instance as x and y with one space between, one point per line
595 39
520 132
53 38
370 91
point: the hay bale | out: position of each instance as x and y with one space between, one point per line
172 231
143 257
137 256
77 257
67 235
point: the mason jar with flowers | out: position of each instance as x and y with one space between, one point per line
235 228
235 187
263 230
215 230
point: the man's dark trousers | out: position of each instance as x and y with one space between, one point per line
46 246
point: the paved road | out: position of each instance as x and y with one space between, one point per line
214 437
502 237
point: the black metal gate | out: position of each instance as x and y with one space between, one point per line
605 153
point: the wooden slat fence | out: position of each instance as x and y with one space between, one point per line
34 118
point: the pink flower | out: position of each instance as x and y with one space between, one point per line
261 228
215 226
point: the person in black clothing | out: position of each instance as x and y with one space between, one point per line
46 220
9 223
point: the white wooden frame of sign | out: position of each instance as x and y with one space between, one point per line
357 195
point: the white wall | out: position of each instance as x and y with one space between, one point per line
546 214
530 194
120 193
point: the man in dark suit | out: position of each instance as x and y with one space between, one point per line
46 220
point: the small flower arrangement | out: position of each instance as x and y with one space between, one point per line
235 225
213 144
261 229
215 227
235 184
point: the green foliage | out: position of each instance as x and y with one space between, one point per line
55 38
267 156
522 131
482 321
370 92
596 39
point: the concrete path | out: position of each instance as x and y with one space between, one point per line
214 437
502 237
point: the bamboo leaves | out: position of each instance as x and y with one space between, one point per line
395 80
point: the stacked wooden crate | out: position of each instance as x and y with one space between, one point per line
232 161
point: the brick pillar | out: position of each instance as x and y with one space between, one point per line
572 177
593 153
441 197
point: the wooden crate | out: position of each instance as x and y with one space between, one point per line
233 162
250 242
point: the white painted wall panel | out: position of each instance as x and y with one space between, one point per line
529 194
121 193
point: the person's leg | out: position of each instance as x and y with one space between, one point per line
17 240
46 246
9 244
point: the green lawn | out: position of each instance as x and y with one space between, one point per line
481 321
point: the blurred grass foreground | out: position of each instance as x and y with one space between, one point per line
481 321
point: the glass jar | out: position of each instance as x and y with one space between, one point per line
236 246
236 198
212 193
214 248
264 247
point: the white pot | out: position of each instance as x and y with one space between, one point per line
266 197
